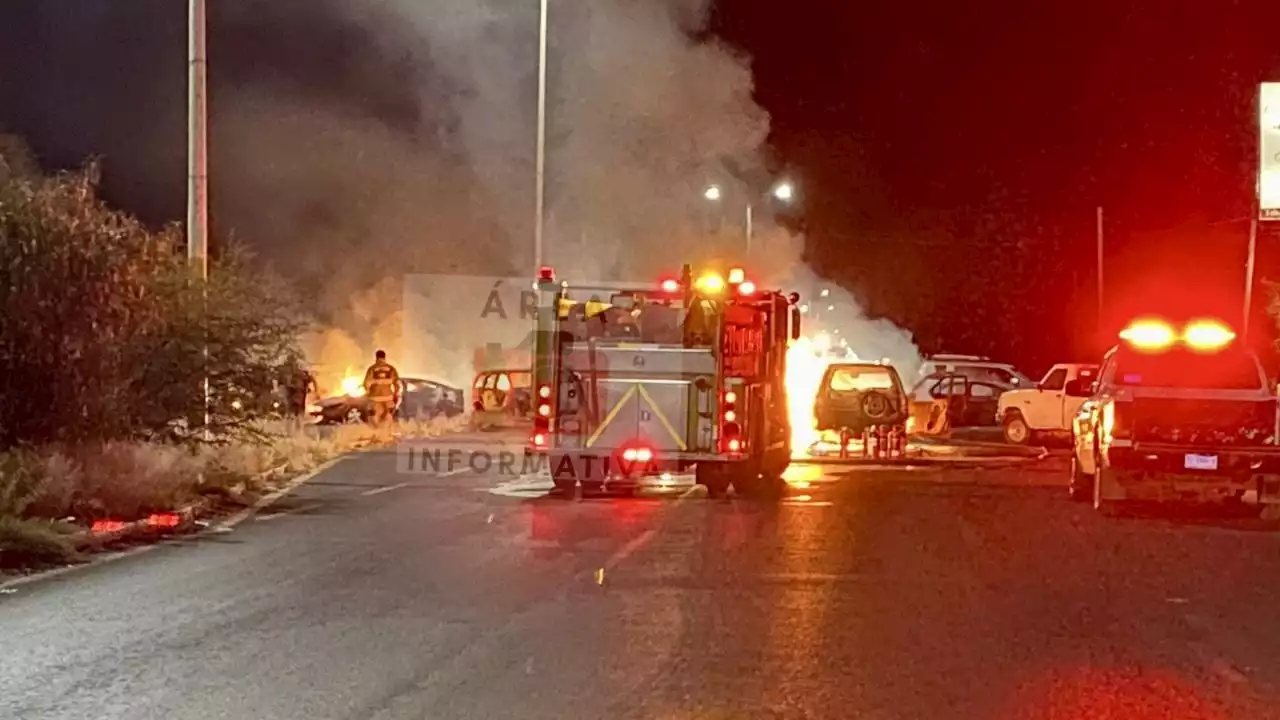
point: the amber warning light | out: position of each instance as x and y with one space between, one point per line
1148 335
1155 335
1208 335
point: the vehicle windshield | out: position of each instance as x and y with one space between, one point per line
1183 369
860 379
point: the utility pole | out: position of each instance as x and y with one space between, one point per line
198 170
1100 285
1248 275
197 144
541 161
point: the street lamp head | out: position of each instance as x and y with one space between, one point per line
784 191
712 193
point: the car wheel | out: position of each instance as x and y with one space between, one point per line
1016 430
354 415
1081 487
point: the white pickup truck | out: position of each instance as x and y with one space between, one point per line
1046 409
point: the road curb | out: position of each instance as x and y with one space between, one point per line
187 515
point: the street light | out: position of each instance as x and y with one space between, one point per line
783 191
825 292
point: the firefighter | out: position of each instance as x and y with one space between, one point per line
382 387
301 383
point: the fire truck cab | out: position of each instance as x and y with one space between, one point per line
637 380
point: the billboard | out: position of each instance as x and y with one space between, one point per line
1269 151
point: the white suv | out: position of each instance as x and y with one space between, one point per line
975 367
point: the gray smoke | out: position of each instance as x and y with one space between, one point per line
640 119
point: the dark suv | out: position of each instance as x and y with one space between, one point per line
859 396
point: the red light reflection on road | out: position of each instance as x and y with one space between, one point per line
1090 693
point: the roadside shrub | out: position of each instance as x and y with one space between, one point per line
104 332
30 544
129 481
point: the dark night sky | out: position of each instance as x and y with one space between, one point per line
952 154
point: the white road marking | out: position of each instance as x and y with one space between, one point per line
266 500
380 490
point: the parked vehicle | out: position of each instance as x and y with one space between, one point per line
947 400
860 396
1044 410
419 398
1175 414
975 367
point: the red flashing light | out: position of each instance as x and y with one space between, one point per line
670 286
747 288
542 423
546 274
640 454
1149 335
730 430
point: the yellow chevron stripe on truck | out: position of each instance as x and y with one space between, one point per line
662 418
617 407
613 413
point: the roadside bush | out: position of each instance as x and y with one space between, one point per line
31 544
104 332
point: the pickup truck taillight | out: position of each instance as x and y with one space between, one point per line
1117 420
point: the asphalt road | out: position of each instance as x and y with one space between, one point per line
378 593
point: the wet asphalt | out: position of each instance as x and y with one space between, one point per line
377 592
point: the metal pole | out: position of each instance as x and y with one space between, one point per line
542 136
1248 275
198 166
197 144
750 223
1100 285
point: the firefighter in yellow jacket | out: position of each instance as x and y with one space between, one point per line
382 387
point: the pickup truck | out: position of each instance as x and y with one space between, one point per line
1176 417
1044 409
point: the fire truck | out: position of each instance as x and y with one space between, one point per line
639 380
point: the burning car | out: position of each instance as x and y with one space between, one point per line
419 398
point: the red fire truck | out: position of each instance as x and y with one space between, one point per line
636 380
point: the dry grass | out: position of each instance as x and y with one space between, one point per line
31 544
128 481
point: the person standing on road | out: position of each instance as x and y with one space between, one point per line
382 387
301 384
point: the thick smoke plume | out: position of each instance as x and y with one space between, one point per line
641 118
